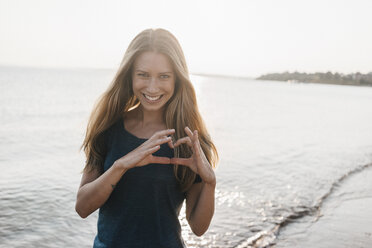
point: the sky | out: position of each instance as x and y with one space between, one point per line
238 38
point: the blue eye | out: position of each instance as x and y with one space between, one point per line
142 74
164 76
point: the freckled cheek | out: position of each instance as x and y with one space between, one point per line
171 88
138 85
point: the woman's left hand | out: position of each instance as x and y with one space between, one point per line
198 163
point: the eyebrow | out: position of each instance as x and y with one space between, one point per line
159 72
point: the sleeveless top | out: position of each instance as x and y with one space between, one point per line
143 208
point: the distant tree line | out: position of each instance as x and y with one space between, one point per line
319 77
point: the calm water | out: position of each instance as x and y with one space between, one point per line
286 152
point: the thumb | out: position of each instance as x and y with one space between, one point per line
160 160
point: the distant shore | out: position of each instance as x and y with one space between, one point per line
357 79
221 76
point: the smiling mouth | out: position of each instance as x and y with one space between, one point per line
152 98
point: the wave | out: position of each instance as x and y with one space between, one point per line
266 238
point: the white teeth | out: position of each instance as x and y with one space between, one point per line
152 98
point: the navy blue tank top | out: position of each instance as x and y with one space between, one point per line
143 208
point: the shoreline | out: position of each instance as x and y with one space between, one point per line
356 79
320 224
344 218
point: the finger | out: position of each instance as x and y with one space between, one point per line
162 140
170 144
152 150
190 133
196 143
159 160
183 140
163 133
181 161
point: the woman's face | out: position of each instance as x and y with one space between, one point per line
153 80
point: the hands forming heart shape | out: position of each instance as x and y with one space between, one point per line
142 155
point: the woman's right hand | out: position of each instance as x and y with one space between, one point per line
142 155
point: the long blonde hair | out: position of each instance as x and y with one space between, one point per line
181 109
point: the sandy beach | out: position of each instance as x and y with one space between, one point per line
345 218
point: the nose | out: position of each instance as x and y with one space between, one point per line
152 87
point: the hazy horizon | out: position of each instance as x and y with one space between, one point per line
235 38
192 73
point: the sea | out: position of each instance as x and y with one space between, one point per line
295 165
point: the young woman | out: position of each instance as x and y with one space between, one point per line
147 151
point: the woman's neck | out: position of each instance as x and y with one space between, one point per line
149 118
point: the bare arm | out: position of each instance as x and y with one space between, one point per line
200 207
95 189
200 197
